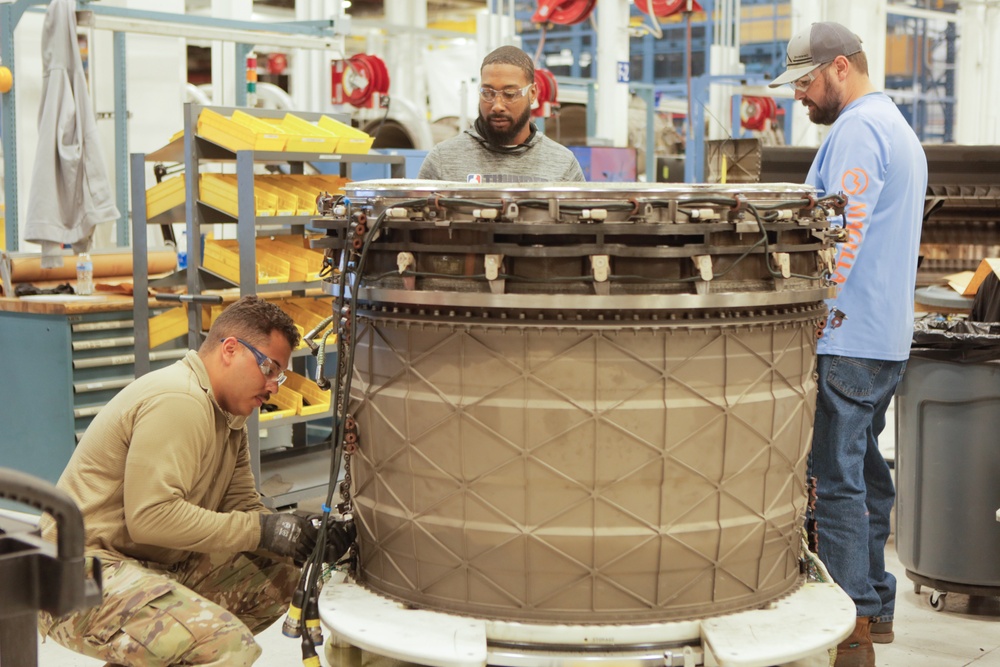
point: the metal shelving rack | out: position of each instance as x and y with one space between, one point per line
298 463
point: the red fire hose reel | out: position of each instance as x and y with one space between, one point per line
361 80
548 94
664 8
563 12
757 113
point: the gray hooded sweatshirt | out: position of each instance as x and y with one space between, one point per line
469 158
70 193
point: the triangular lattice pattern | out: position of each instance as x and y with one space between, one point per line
584 476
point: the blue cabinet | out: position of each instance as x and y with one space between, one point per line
60 368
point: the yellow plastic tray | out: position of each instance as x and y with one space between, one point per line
294 197
167 326
223 258
221 191
221 130
289 403
352 140
315 401
286 203
331 184
267 137
241 132
322 306
208 315
302 316
304 137
305 264
164 196
306 197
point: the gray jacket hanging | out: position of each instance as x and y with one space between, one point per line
70 193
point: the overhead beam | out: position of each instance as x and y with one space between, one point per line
916 12
163 24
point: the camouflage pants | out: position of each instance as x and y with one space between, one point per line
202 611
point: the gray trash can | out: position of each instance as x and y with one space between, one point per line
948 460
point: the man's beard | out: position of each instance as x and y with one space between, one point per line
825 114
825 111
504 137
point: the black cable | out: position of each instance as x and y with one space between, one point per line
309 576
572 206
767 253
341 394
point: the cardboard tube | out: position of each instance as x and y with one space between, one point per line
28 269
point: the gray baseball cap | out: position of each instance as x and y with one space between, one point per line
814 47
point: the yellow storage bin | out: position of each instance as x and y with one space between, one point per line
305 264
304 137
301 316
352 140
164 196
331 184
315 401
299 198
208 315
241 132
221 192
322 306
306 197
223 131
286 203
267 137
289 403
223 258
167 326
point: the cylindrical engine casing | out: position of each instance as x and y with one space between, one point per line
600 476
538 456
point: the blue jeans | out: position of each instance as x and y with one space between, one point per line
854 489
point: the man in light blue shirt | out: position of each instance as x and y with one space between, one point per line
873 156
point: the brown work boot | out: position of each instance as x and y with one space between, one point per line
857 650
882 632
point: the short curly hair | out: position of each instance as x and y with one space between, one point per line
511 55
252 319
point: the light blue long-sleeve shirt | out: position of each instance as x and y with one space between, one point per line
874 157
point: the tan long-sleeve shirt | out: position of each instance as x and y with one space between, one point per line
163 471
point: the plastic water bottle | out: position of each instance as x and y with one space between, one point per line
84 274
182 251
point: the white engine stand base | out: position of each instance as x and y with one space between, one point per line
813 618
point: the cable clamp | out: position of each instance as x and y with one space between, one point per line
783 260
601 266
704 265
405 260
492 263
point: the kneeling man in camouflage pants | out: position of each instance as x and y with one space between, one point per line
193 564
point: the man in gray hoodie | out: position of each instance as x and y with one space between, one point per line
503 146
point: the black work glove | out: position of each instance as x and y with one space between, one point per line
287 535
339 538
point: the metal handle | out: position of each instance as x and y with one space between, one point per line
29 490
60 584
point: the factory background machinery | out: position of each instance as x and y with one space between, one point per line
930 55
